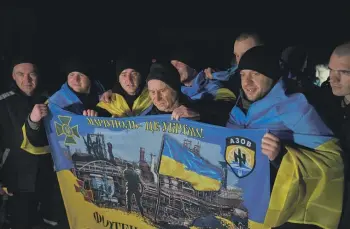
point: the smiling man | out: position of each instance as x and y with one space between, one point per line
300 147
79 95
28 177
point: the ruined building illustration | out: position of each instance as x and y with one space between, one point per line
175 200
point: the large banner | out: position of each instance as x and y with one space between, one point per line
154 172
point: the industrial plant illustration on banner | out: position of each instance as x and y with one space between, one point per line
151 172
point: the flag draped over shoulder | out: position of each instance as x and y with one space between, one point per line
225 75
65 97
203 88
119 107
179 162
308 188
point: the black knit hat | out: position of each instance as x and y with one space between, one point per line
137 64
24 59
166 73
263 60
78 65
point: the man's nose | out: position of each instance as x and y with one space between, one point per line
247 80
334 76
27 78
238 58
76 78
128 79
158 96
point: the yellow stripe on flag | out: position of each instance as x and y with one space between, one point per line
170 167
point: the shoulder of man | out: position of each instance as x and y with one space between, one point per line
6 99
293 103
6 95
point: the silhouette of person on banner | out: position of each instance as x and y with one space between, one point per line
133 187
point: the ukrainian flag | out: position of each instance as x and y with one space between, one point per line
177 161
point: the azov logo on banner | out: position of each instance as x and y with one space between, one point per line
240 155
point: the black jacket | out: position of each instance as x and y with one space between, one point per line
336 115
21 170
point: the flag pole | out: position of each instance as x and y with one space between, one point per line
159 190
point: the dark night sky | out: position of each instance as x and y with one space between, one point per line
111 31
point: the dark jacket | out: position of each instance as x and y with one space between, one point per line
336 115
22 169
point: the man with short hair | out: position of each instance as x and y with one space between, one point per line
243 42
337 113
306 166
28 175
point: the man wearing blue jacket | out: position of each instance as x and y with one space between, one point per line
306 167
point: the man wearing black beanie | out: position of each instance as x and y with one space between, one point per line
129 95
260 70
166 73
26 172
164 88
302 151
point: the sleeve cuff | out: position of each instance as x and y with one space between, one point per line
33 125
278 160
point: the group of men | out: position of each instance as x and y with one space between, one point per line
307 145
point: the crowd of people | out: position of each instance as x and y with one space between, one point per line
307 118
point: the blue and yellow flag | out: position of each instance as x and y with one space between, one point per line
119 108
204 88
308 188
177 161
152 172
